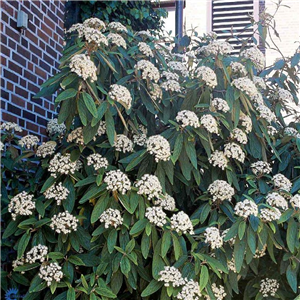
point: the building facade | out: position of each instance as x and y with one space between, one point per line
29 57
218 15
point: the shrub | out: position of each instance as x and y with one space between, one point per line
135 15
174 180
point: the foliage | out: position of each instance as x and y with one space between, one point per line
123 257
135 15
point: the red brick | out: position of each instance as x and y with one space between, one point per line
18 101
9 118
15 68
40 72
32 37
43 131
43 36
39 110
32 126
15 35
21 92
49 22
18 58
46 29
10 86
3 61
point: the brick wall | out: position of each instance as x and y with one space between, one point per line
28 58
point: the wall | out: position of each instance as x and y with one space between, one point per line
195 14
288 27
28 58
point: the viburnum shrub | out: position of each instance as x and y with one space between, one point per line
169 176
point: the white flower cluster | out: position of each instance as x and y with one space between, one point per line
260 252
36 253
50 273
18 262
2 146
171 85
94 23
268 287
290 131
54 128
230 241
156 216
167 202
207 75
117 39
46 149
246 122
218 291
181 223
111 218
295 201
21 205
284 95
76 136
64 222
150 186
97 161
141 137
62 164
256 57
170 75
29 141
259 82
218 159
120 94
57 192
155 92
209 123
94 36
270 214
276 200
216 47
190 291
246 208
149 71
101 128
10 126
221 190
239 135
188 118
213 237
260 168
266 113
117 27
272 131
179 67
171 276
237 67
123 143
158 146
231 265
144 33
233 150
220 104
245 85
281 182
116 180
145 49
82 65
258 99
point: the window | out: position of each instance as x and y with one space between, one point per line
233 16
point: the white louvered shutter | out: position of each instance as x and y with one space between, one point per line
232 14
